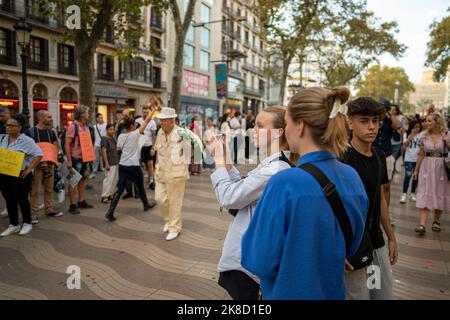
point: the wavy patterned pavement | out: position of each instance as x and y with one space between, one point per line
130 259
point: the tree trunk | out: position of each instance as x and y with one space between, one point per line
175 100
284 75
85 61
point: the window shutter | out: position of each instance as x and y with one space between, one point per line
148 72
13 46
45 53
99 65
111 69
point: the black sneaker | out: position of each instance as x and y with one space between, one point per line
54 214
151 185
151 204
84 205
73 209
34 220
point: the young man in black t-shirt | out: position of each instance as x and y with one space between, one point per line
365 115
45 172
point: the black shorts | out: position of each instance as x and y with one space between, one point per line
145 154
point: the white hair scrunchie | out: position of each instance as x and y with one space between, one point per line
338 108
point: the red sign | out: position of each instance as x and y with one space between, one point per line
40 105
10 103
68 105
195 83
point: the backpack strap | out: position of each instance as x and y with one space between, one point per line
285 159
329 189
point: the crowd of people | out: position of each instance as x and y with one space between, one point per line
309 221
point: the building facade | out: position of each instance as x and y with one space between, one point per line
53 70
429 92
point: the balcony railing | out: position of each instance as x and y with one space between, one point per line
157 24
235 73
253 69
160 55
254 92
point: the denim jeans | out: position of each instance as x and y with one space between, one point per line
409 169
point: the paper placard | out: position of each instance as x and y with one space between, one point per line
87 148
11 162
50 152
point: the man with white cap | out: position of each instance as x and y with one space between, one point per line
173 148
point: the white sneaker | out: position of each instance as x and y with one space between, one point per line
166 227
403 198
26 229
41 206
92 176
393 221
413 197
172 236
61 196
11 230
4 213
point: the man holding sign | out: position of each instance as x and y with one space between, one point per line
44 173
18 157
79 151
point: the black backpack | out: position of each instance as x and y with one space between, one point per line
63 138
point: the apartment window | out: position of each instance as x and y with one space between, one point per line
108 34
204 60
224 23
7 47
7 5
204 39
105 67
157 77
205 13
188 57
190 34
66 59
38 53
3 43
253 82
138 67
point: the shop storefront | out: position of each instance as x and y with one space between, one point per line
111 98
9 95
68 102
194 99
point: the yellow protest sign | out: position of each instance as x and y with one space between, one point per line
11 162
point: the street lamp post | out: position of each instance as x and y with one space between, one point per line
396 94
23 32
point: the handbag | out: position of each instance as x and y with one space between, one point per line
446 163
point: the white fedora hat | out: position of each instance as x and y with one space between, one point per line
167 113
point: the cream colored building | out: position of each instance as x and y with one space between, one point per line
429 92
53 72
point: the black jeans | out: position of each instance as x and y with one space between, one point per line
239 285
15 191
129 175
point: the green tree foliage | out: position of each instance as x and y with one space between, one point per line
125 18
438 52
344 35
380 82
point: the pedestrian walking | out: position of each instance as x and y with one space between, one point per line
412 149
130 171
100 131
433 190
173 146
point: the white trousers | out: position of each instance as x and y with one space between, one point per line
110 181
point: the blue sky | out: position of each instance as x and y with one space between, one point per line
413 18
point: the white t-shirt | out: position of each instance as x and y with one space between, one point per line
412 152
224 127
129 143
149 131
98 138
235 123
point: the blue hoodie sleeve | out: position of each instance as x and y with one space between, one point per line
262 244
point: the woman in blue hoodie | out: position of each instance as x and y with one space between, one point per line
294 243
